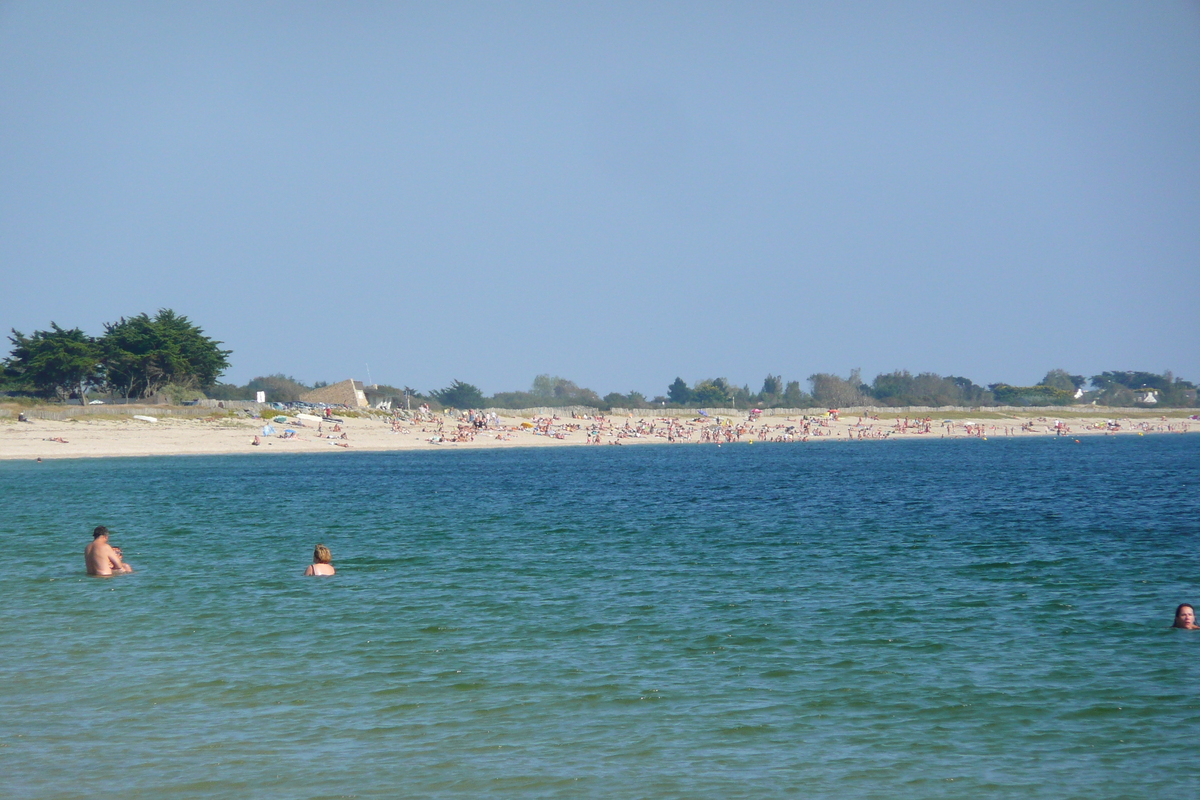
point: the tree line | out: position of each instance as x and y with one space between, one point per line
135 357
902 388
826 390
143 356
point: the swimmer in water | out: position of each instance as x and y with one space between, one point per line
101 557
1185 617
321 565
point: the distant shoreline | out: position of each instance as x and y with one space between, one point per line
196 431
204 408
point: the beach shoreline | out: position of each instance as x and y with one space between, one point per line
221 434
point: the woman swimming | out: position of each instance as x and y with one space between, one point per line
322 562
1185 617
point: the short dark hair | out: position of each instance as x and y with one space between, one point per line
100 531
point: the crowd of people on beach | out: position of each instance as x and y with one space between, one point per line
337 436
467 424
601 429
454 426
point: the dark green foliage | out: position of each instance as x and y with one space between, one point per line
1006 395
719 393
551 390
459 395
678 392
1131 380
142 354
1116 395
280 388
793 397
712 393
1127 388
228 391
901 388
893 388
970 394
835 392
135 357
583 397
614 400
545 385
516 400
632 400
1061 379
57 362
706 394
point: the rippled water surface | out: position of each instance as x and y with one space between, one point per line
884 620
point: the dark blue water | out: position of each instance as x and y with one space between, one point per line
854 620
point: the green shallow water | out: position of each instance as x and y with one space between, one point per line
883 620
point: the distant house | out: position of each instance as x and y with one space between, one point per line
349 393
377 398
1149 396
352 394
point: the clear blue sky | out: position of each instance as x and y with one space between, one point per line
617 193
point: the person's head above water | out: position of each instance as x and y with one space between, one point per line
321 555
1185 617
99 531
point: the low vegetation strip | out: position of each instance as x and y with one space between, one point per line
167 357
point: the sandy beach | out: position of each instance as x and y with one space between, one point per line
92 437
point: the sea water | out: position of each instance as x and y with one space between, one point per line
832 620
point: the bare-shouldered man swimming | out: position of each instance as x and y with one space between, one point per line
101 557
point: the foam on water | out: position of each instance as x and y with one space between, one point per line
857 620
